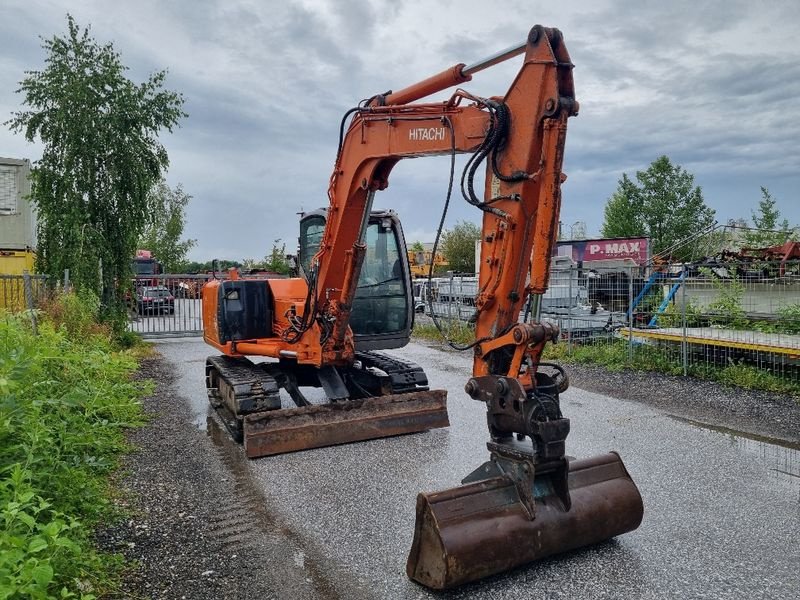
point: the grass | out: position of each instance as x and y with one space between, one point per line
66 399
615 356
457 332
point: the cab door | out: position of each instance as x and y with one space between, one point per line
383 311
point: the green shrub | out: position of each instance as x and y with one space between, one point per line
789 318
456 331
747 376
37 543
726 310
615 356
674 314
65 400
78 315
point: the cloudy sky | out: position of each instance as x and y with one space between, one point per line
714 85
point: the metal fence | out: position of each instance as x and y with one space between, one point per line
21 292
683 317
159 306
167 305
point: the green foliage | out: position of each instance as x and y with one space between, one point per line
789 318
222 265
37 543
417 247
276 261
663 204
77 314
623 216
772 231
65 400
726 309
746 376
456 331
615 355
163 231
101 156
674 315
458 246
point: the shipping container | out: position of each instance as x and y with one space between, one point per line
17 217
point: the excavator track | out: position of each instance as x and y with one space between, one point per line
237 387
247 398
405 376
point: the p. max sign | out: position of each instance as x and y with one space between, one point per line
591 250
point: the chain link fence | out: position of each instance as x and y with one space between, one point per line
676 318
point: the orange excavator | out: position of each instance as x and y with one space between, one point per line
324 329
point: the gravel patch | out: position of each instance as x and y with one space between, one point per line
206 523
764 414
197 528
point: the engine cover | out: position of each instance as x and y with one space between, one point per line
244 310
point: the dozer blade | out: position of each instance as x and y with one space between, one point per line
483 528
289 430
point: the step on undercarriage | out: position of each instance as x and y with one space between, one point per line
379 396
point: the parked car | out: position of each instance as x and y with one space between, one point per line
154 299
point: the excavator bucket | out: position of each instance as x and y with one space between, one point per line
319 425
496 523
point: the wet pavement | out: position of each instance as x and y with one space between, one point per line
722 510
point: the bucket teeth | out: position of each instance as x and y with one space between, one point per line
484 527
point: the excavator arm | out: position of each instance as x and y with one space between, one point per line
521 136
528 500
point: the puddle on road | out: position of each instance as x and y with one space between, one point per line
781 458
201 413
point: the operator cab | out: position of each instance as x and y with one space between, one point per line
382 315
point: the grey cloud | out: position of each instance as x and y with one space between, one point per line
266 85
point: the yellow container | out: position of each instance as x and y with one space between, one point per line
12 265
15 262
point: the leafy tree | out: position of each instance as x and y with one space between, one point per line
772 231
663 204
101 157
276 261
162 234
458 246
417 247
623 215
222 265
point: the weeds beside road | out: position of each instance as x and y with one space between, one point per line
67 396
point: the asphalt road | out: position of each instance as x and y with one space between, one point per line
722 511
